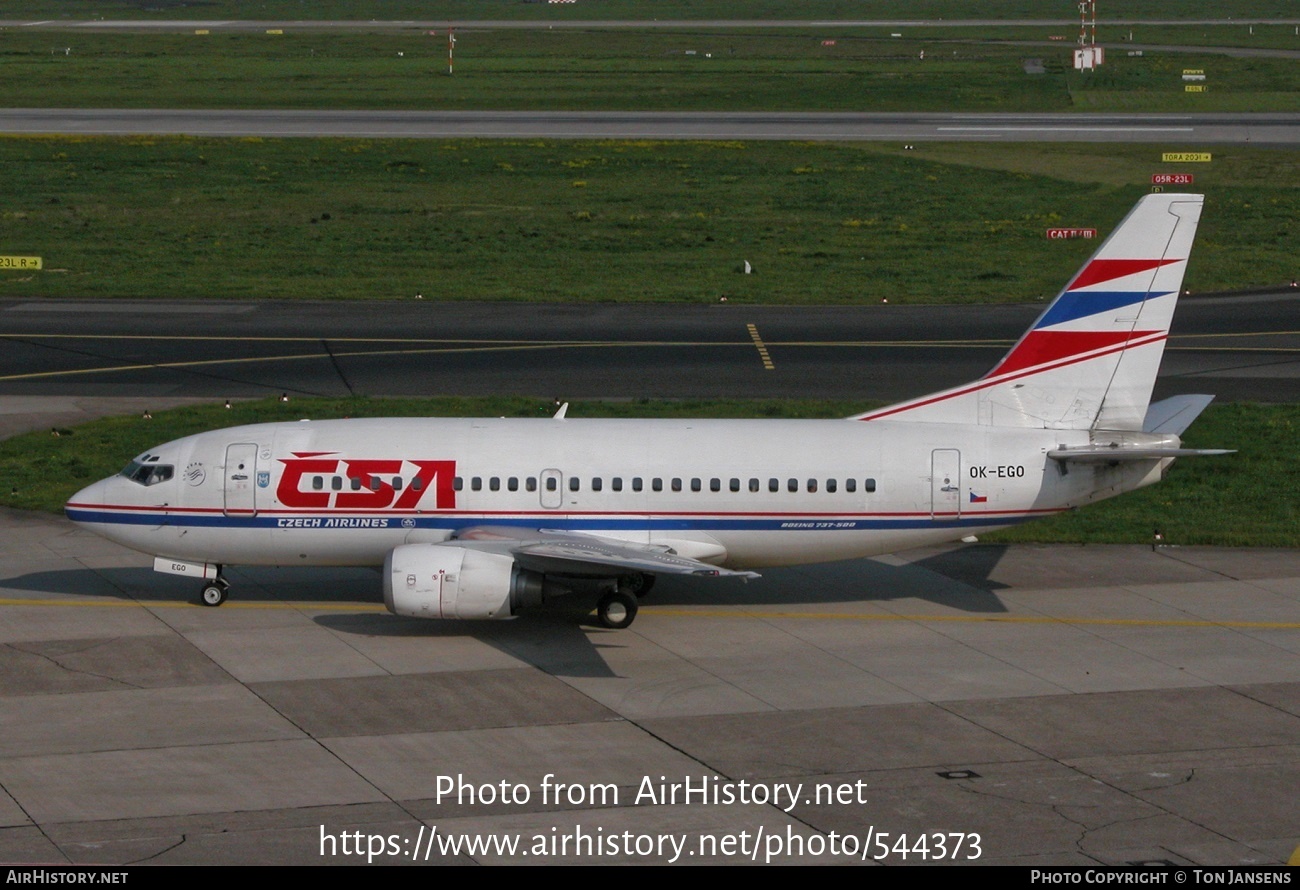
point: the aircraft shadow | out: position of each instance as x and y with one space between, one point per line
562 637
958 578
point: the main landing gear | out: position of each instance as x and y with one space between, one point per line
617 609
637 585
214 592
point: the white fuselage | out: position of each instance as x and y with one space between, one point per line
736 493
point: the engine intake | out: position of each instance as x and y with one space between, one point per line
440 581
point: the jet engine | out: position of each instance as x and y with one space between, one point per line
440 581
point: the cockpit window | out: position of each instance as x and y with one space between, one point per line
147 473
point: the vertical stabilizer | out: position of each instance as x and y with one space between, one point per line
1090 360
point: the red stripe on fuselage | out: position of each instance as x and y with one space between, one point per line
543 514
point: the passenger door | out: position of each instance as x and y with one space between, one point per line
945 484
241 470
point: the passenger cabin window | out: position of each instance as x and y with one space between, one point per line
812 485
792 484
753 485
850 485
616 483
458 483
830 486
596 484
573 483
317 483
355 482
397 483
476 484
870 485
657 484
677 484
636 483
494 484
531 483
695 485
336 483
513 483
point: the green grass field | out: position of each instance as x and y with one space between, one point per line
864 69
605 221
1250 495
396 10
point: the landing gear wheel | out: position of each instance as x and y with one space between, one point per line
637 585
213 594
616 609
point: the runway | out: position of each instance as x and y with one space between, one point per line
1239 347
1172 129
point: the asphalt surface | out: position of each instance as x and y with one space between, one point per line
1187 129
1050 705
1241 348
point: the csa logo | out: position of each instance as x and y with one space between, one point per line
373 486
408 523
263 479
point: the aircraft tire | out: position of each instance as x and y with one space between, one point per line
637 585
213 594
617 609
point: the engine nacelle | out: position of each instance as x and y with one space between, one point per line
439 581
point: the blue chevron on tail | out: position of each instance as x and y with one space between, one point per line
1090 360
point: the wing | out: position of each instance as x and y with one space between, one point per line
550 550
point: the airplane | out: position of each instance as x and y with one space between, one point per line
480 518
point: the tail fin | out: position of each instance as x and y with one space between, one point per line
1090 360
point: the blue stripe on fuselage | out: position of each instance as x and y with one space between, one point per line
562 523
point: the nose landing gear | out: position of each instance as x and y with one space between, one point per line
214 592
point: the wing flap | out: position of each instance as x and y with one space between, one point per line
549 550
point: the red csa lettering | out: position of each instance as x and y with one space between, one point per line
430 474
437 474
287 491
369 497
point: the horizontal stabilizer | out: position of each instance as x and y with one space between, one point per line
1105 454
1175 415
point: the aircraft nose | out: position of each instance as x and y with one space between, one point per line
79 506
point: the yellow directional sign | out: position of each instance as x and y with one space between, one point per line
20 262
1186 157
